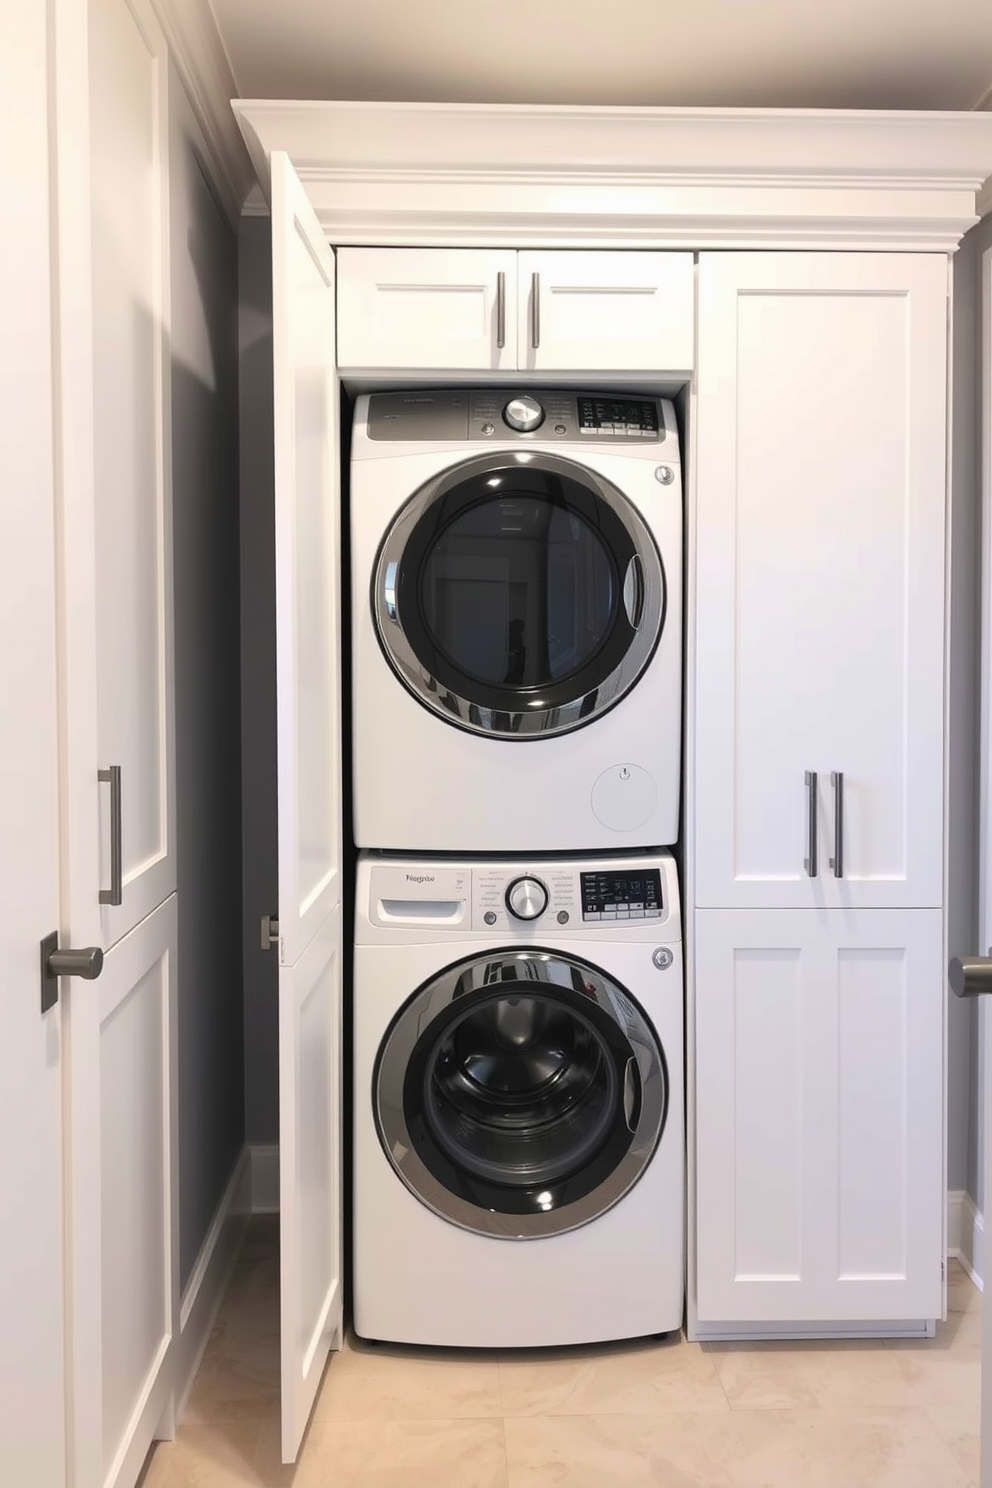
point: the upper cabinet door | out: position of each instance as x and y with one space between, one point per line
129 183
603 312
308 723
819 595
427 309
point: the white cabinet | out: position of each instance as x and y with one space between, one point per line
480 310
819 1162
819 587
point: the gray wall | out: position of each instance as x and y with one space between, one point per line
258 713
965 1075
208 713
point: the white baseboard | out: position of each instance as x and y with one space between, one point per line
264 1179
206 1287
966 1234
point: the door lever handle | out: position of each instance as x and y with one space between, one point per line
970 976
86 963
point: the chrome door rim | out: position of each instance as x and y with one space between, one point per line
530 722
474 980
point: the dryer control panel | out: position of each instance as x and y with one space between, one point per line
506 415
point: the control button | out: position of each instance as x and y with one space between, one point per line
489 428
526 898
591 914
524 414
665 474
662 957
560 429
563 917
637 914
489 917
652 914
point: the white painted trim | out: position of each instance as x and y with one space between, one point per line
264 1178
966 1235
554 175
208 1281
200 58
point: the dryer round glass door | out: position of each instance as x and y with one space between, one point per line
519 595
520 1095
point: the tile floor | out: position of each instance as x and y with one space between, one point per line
668 1415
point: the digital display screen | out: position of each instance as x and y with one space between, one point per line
632 895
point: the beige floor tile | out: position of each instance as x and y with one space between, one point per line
238 1380
674 1450
387 1382
403 1454
874 1376
747 1449
958 1427
627 1378
852 1448
208 1457
760 1376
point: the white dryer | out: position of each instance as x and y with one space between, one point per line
517 621
519 1149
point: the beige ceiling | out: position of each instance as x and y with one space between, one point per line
916 54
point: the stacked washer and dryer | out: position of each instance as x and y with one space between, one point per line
519 1152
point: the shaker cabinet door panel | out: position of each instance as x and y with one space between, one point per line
427 309
819 1164
129 185
604 312
819 602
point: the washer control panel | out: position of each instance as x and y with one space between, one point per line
529 897
609 895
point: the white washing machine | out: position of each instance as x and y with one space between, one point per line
519 1149
517 621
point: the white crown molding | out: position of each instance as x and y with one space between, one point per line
199 56
486 174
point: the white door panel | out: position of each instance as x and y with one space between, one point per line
820 573
32 1324
123 1113
819 1091
427 308
606 311
309 1172
308 706
131 378
307 519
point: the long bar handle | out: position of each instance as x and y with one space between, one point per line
115 894
535 310
809 862
501 310
837 861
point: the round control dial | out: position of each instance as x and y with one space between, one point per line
526 898
524 414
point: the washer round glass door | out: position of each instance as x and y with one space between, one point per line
518 595
520 1094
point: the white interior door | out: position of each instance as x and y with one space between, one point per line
32 1436
307 532
985 846
115 696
